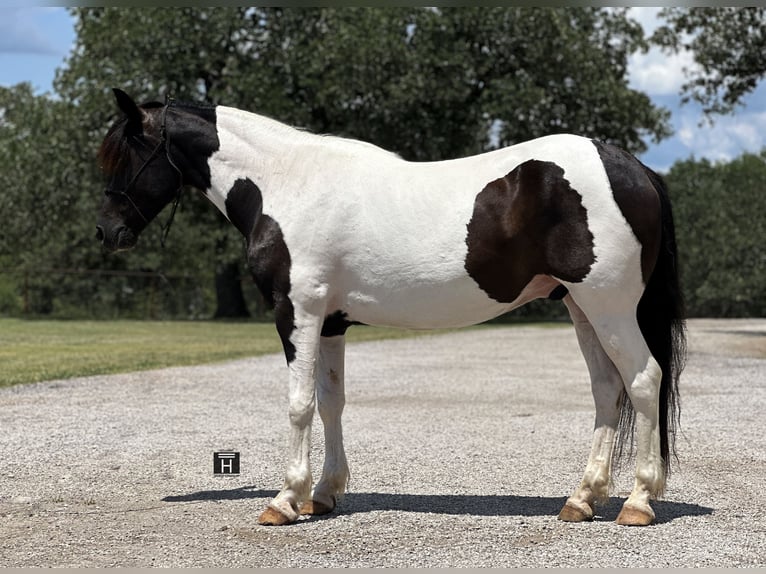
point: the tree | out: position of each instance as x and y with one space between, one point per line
720 212
439 83
42 207
728 45
426 83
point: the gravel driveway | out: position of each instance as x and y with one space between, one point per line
462 449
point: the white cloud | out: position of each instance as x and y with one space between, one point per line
686 136
727 138
647 17
657 73
749 133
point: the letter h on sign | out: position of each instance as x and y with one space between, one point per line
226 463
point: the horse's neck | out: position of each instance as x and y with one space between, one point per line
277 157
252 147
256 146
294 169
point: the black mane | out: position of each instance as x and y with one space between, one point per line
114 148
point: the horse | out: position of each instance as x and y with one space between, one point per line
340 232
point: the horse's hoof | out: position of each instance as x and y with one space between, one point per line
273 517
572 513
631 516
316 508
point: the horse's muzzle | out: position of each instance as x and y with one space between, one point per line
120 238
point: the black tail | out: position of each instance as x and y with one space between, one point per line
661 317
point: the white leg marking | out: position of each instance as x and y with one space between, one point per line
606 385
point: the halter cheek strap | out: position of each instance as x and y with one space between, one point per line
123 192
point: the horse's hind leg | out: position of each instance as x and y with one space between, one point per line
607 386
623 342
331 400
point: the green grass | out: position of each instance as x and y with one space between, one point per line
32 351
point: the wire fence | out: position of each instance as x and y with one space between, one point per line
113 294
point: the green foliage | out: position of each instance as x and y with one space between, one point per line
37 178
720 214
729 46
10 302
433 84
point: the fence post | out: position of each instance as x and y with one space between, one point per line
150 306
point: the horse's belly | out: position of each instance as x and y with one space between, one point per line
455 303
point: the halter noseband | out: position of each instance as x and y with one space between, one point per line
123 192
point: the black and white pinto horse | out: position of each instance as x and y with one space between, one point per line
341 232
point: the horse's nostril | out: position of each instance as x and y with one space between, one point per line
99 233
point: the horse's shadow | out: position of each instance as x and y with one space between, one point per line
453 504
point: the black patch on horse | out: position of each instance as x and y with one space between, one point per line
195 126
558 293
637 199
267 255
244 205
335 324
530 222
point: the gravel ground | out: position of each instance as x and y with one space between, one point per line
462 449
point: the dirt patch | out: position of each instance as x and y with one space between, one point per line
731 337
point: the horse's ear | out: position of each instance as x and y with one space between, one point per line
129 108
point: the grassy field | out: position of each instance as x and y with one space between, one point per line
32 351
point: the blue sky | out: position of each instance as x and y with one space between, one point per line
35 40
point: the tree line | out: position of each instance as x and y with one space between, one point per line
426 83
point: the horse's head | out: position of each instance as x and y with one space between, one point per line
141 176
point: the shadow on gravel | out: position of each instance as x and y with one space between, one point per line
666 510
455 504
240 493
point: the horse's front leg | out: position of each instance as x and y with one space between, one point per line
301 342
331 400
